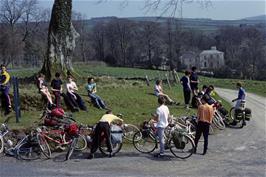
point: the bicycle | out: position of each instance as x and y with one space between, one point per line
88 132
177 140
28 148
240 115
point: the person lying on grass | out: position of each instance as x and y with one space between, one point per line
96 100
158 91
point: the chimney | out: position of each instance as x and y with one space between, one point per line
213 48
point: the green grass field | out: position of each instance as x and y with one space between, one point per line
133 98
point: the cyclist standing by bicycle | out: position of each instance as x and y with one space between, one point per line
4 87
103 127
161 117
241 97
205 116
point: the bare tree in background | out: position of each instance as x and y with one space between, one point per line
61 40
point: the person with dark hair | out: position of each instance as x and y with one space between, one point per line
75 99
205 116
161 117
185 81
194 80
4 88
57 89
158 91
96 100
203 90
103 129
208 95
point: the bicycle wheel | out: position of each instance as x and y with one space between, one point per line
232 113
81 143
184 151
115 148
1 144
26 151
71 148
129 131
218 121
45 148
144 144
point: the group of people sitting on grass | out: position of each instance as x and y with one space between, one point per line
72 99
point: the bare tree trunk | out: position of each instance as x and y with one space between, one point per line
61 40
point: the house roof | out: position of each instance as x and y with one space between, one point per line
207 52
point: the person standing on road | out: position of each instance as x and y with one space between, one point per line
185 81
161 117
57 89
4 87
103 128
205 116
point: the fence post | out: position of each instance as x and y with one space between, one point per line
167 78
16 99
147 80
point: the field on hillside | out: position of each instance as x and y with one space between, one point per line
122 93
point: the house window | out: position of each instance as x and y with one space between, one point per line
205 64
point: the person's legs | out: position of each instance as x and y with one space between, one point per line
160 134
72 99
206 128
7 100
167 97
96 138
187 97
80 102
57 98
107 132
198 134
95 99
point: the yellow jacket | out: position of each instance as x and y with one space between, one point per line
5 78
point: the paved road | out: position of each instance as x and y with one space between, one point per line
232 152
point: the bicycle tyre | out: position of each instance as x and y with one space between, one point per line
71 148
27 152
1 144
80 145
138 139
115 148
129 131
232 113
180 153
45 148
218 121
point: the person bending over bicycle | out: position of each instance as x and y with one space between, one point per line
103 127
161 117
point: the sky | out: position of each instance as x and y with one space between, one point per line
218 9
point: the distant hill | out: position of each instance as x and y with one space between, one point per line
204 24
260 17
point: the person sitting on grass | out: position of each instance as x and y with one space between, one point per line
103 129
74 98
96 100
158 91
161 117
43 89
208 95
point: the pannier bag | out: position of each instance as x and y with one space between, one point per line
116 134
248 114
72 129
179 139
238 114
58 112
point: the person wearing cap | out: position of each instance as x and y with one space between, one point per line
103 127
4 87
205 116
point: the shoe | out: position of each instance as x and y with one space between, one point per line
110 155
91 156
204 151
159 155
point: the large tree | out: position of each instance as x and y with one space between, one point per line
61 40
